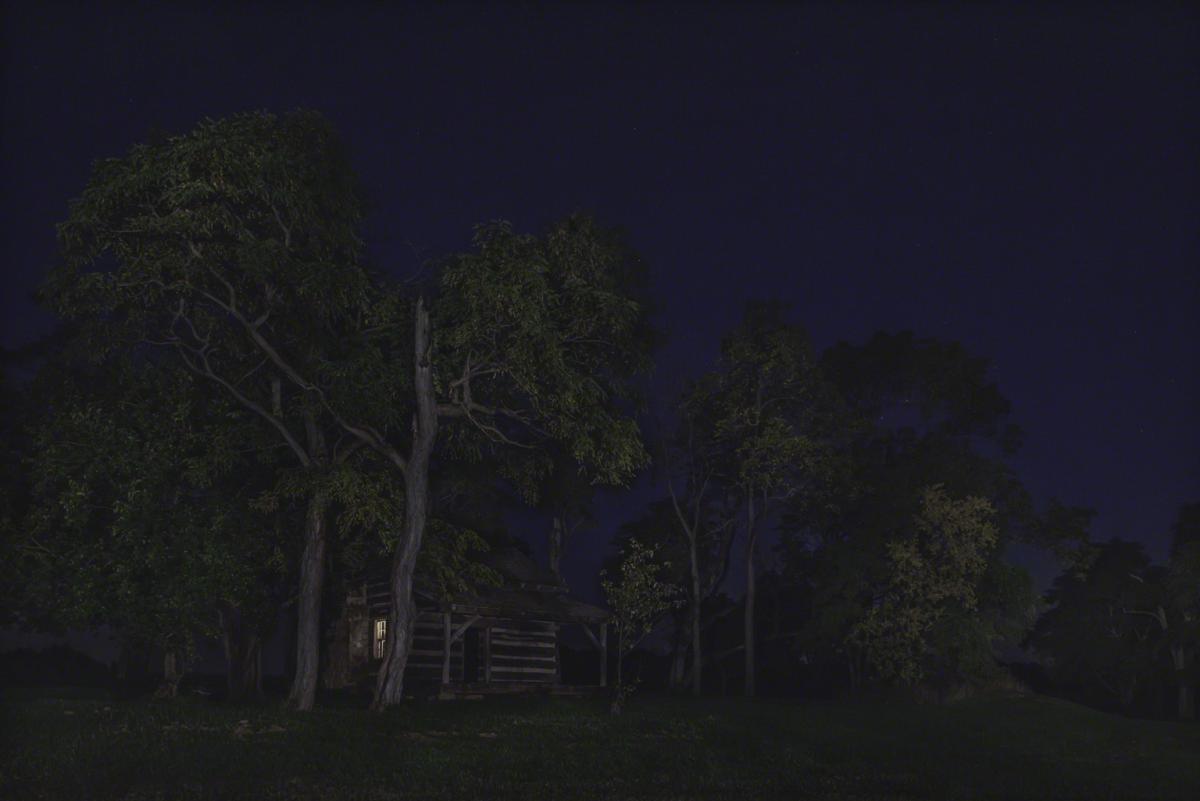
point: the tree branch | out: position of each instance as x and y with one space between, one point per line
279 425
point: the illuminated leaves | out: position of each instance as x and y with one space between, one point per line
637 595
935 570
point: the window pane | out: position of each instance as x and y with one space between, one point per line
380 637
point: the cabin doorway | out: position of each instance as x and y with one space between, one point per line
472 661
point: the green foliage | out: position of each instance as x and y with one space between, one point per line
1120 629
916 414
934 571
449 561
637 595
1086 637
946 384
264 203
236 249
236 246
140 517
538 338
768 407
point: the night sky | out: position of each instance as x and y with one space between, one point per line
1023 181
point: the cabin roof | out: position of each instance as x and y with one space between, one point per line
518 570
528 605
529 591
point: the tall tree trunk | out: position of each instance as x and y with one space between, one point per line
173 670
308 608
337 652
679 652
1185 707
554 546
620 657
389 689
751 535
243 655
697 683
253 670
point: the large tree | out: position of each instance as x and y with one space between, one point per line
1118 628
918 413
141 514
530 344
771 422
235 248
1085 636
1171 598
935 571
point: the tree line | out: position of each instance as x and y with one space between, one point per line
239 414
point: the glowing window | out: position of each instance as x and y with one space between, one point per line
380 638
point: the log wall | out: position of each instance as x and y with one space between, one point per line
509 650
524 651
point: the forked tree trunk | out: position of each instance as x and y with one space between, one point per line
308 608
750 594
389 688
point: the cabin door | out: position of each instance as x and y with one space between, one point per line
472 661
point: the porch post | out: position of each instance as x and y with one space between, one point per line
603 654
445 648
487 655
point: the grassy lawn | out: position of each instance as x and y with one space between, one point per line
64 745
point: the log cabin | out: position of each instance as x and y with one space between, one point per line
496 640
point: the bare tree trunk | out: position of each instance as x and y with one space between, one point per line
173 671
554 546
620 656
1185 707
308 626
253 671
337 652
389 689
750 592
697 682
679 649
1128 693
243 655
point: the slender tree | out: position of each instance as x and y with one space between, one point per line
771 416
639 597
702 521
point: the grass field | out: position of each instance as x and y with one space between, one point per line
70 745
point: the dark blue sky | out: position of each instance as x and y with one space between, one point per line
1026 181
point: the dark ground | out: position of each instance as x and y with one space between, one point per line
82 744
